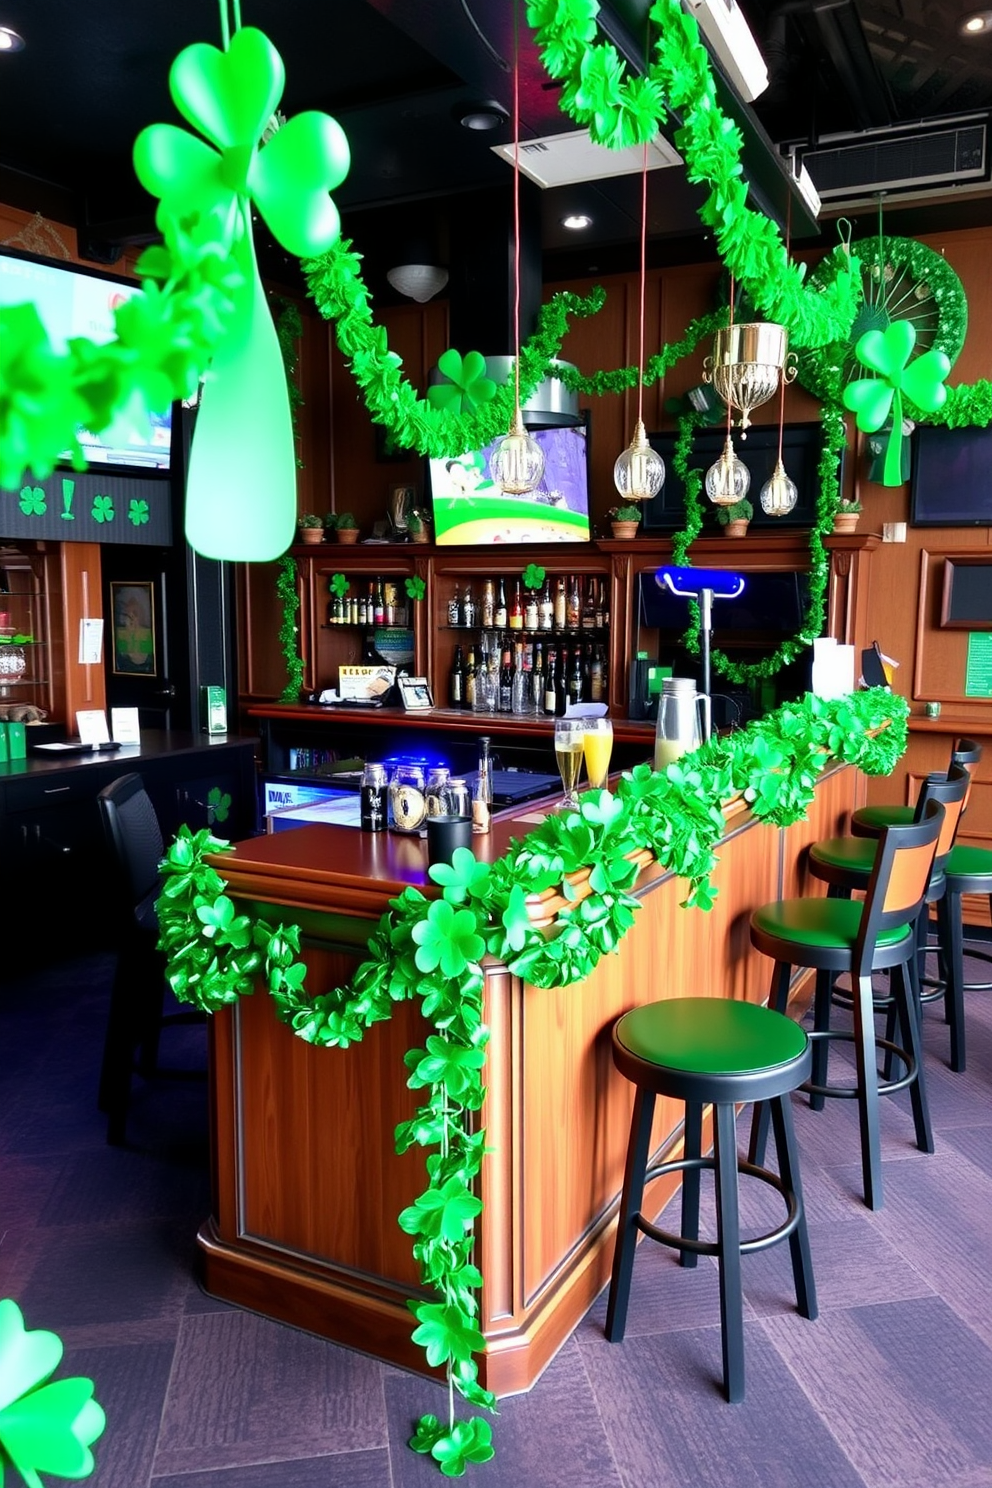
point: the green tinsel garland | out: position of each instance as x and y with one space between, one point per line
289 630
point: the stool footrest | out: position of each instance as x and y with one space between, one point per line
710 1247
851 1092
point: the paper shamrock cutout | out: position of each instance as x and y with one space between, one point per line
533 576
467 386
241 491
44 1427
872 399
415 587
338 585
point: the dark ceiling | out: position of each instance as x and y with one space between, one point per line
398 73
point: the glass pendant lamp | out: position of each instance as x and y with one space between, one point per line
728 479
778 495
639 472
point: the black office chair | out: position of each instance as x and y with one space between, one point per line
137 1001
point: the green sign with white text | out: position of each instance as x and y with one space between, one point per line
978 674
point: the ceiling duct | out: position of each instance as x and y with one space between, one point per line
950 154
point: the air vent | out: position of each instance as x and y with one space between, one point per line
564 159
945 156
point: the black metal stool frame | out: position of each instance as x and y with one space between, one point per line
724 1093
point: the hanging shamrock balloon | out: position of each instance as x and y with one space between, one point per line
873 398
241 490
466 386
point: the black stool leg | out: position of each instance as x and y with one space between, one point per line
788 1169
630 1205
778 1001
729 1252
951 936
911 1034
867 1081
692 1146
822 1004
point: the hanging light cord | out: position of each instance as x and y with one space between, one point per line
644 234
516 206
781 376
730 326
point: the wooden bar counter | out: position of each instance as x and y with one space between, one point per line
307 1184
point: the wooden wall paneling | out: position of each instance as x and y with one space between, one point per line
941 653
82 595
261 666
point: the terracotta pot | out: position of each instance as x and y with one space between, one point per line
624 531
347 534
311 534
846 521
419 537
736 529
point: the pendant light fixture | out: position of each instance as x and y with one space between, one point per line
728 480
517 463
779 495
639 472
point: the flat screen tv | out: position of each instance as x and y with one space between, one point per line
951 477
469 509
73 301
802 445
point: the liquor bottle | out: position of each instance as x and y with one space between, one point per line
573 607
454 609
379 617
456 680
370 604
499 612
520 696
561 605
550 685
390 592
506 683
334 610
575 678
596 676
537 680
530 611
482 797
561 684
602 606
589 605
517 609
470 609
587 672
363 610
546 608
488 606
469 701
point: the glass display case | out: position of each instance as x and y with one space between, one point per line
25 629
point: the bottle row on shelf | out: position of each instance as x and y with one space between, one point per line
527 678
381 603
570 602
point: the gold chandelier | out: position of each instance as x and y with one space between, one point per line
747 364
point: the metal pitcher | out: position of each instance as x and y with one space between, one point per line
683 721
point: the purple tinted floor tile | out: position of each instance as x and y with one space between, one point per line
342 1470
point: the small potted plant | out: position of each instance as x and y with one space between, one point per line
416 525
735 517
624 520
846 516
345 527
311 528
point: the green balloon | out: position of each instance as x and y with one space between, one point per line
229 96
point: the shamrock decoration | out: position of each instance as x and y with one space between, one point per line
44 1427
32 501
218 805
873 398
533 576
103 509
338 585
467 385
241 491
137 513
415 588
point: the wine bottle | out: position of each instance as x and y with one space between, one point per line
561 606
546 608
550 685
469 700
537 680
499 613
469 608
596 676
589 605
486 619
575 678
516 619
379 616
456 680
561 684
506 683
573 608
531 619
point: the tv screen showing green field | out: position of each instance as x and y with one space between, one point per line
469 508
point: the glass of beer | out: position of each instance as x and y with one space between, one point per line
569 736
597 746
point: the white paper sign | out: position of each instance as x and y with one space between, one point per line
90 642
91 725
124 723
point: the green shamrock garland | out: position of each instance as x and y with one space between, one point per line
289 630
46 1425
431 950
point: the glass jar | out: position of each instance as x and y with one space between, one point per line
407 798
436 791
13 665
457 796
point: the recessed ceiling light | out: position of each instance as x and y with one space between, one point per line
979 23
576 221
482 116
10 41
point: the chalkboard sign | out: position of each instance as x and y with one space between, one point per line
967 597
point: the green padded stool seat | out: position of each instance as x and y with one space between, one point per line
869 820
708 1051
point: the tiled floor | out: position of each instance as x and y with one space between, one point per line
890 1387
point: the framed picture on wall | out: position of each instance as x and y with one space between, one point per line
135 652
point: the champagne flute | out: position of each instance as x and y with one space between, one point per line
568 755
597 746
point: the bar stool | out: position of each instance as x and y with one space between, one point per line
868 821
845 863
968 870
845 935
708 1051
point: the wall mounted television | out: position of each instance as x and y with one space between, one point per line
802 445
951 477
470 510
73 301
